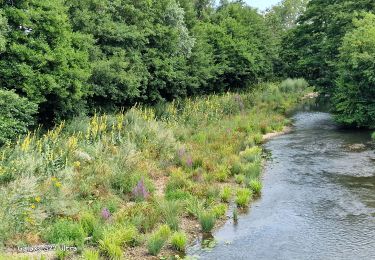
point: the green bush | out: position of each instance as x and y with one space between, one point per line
179 241
293 85
355 92
16 116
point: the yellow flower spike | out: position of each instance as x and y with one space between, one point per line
58 184
38 199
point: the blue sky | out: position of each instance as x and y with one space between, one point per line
262 4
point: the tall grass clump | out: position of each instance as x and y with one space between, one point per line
179 241
243 197
170 211
226 194
256 186
207 221
157 240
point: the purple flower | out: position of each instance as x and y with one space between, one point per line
106 214
140 191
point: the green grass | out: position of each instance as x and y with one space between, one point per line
243 197
226 194
207 221
179 241
157 240
115 178
256 186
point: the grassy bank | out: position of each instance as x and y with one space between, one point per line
142 182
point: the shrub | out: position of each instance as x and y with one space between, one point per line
207 221
226 194
256 186
179 241
243 197
16 116
65 232
293 85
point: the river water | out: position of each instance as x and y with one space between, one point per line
318 199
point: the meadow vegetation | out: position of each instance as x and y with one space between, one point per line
113 184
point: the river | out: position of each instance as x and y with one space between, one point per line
318 200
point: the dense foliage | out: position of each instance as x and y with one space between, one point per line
354 97
16 115
320 50
67 56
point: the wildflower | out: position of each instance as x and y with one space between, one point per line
53 179
33 206
106 214
140 191
58 184
77 164
37 199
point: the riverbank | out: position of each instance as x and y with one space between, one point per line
316 191
106 184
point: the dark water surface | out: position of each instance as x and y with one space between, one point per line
318 199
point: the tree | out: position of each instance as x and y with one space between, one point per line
354 97
43 59
16 116
311 49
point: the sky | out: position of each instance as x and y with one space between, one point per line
262 4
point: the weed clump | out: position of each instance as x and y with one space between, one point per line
243 197
207 221
179 241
